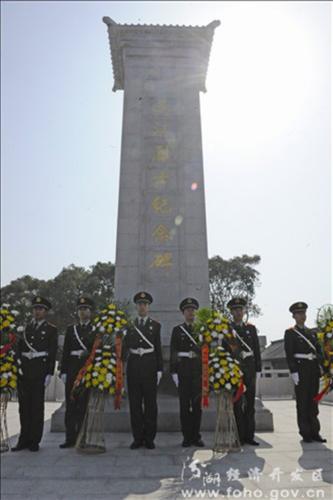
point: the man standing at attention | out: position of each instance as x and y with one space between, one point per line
36 352
185 368
304 358
79 339
248 354
143 352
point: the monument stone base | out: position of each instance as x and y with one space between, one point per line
168 416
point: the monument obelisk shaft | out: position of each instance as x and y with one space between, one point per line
161 233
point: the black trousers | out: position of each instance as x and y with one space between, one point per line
31 409
189 391
142 394
75 410
307 409
244 409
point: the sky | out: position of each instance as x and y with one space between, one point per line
266 140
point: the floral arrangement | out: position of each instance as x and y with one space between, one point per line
103 369
212 327
325 338
110 320
219 370
224 371
8 365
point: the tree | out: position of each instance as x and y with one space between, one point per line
97 282
236 277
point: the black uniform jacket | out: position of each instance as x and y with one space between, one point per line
42 338
295 344
72 364
248 334
148 364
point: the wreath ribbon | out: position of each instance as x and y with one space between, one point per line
89 360
119 373
205 376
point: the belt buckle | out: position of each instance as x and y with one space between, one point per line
191 354
29 355
140 351
312 356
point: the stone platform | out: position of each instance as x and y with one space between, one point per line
168 417
281 467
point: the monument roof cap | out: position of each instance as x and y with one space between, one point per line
157 37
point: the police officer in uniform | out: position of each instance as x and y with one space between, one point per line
304 357
36 353
185 368
79 339
247 351
143 352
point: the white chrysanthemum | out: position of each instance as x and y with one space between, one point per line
214 334
228 386
101 387
216 365
211 378
102 329
95 374
108 377
113 361
20 329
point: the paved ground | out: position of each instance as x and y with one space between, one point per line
269 471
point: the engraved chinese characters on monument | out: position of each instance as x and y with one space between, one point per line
161 233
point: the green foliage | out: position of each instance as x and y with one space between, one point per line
202 316
97 282
236 277
227 278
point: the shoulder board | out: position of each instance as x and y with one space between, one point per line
154 322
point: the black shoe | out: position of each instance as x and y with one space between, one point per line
198 443
34 447
135 445
67 444
307 440
21 446
319 439
150 445
186 443
252 442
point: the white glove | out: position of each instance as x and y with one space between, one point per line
295 377
175 379
258 377
63 377
159 376
47 380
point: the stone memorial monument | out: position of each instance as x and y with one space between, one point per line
161 233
